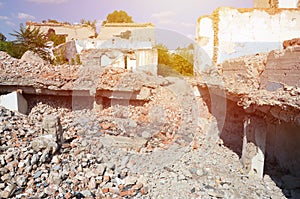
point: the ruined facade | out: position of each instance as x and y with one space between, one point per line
71 32
221 37
252 56
276 3
125 45
132 31
133 56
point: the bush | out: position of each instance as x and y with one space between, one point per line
14 50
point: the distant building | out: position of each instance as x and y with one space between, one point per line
126 45
132 31
71 32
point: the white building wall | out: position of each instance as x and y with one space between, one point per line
287 3
73 32
14 101
246 32
205 50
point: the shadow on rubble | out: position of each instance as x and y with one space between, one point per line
282 142
282 157
50 100
229 118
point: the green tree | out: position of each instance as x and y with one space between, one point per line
57 39
163 54
14 50
2 37
118 16
182 65
89 23
176 64
32 39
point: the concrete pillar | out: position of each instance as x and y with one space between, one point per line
52 126
254 146
98 104
14 101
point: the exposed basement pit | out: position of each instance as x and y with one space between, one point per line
265 137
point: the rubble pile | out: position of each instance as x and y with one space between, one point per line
39 74
156 149
93 164
121 79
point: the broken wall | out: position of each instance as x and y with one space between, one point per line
205 49
265 3
72 32
239 32
288 3
133 60
275 3
136 32
146 60
282 68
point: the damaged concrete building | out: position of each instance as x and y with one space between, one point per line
126 45
69 31
246 62
242 105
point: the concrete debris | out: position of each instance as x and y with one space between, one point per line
31 57
147 136
87 164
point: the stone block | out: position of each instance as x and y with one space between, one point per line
14 101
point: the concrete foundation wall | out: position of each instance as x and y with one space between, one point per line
283 146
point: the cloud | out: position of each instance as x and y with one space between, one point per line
10 23
48 1
3 18
22 15
163 14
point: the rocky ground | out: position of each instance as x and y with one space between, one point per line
108 155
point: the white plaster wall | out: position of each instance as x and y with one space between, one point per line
287 3
73 32
206 35
146 33
205 49
247 33
14 101
146 60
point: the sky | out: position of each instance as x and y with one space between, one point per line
176 16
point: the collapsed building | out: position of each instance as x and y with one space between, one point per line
126 45
243 93
248 61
